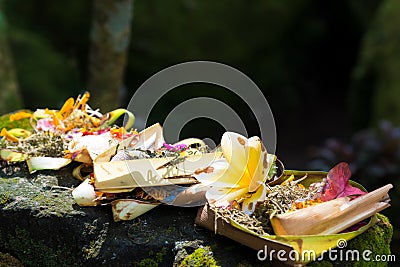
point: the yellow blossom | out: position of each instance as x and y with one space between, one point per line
240 174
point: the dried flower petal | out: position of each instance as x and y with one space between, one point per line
337 184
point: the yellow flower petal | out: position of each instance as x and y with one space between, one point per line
81 101
236 151
218 174
255 166
249 204
221 197
67 108
8 135
244 170
109 118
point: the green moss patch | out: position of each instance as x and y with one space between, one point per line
154 260
201 257
194 254
23 123
374 242
34 252
43 197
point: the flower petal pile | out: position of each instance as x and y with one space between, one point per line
63 134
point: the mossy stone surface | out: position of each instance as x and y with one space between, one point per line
33 231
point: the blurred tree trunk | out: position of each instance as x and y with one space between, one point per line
10 98
110 36
375 93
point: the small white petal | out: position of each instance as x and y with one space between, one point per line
221 197
84 194
218 174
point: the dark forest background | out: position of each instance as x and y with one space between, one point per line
329 69
324 66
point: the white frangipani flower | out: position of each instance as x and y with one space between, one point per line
241 173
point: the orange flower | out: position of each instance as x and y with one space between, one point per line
305 204
8 135
81 101
20 115
67 108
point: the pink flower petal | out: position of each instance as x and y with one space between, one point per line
337 184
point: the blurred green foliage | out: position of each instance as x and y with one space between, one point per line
49 43
376 86
10 98
47 79
297 52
